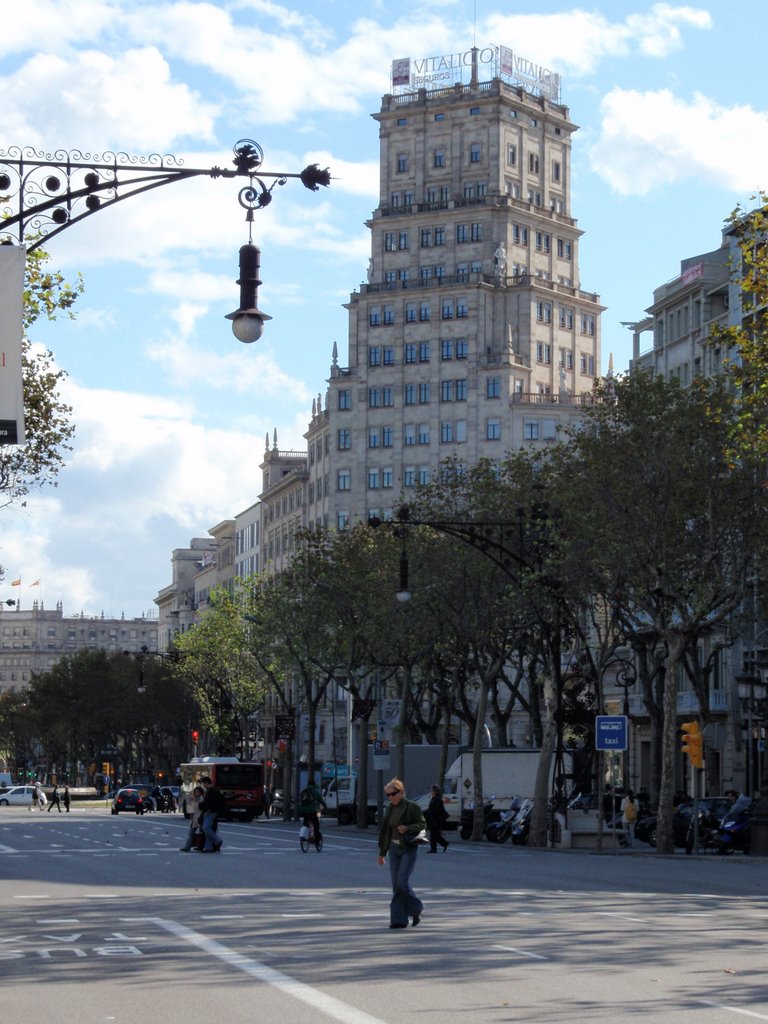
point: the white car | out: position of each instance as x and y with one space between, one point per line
16 795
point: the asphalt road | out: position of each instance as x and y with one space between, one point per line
103 919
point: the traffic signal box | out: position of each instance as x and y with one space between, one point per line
693 744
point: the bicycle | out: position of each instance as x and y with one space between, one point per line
308 837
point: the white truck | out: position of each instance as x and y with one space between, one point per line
507 772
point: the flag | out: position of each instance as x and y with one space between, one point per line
35 584
16 583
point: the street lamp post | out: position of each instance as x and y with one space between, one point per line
44 194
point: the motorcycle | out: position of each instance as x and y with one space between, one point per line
735 828
500 831
467 820
521 826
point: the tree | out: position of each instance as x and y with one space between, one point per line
48 426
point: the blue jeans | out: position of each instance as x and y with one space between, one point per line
212 840
405 903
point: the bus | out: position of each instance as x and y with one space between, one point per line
241 784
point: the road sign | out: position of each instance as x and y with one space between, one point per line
611 732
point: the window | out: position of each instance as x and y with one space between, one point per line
461 233
343 480
424 474
425 273
424 352
342 520
431 195
493 387
519 234
493 430
446 391
555 170
439 158
447 310
390 243
344 439
402 240
477 232
423 393
543 241
386 397
423 433
374 356
446 432
462 389
469 190
439 117
426 238
389 277
409 394
387 477
531 430
373 437
404 275
401 121
410 313
394 200
389 315
475 153
445 193
439 236
462 349
373 479
461 431
482 188
409 434
462 309
402 162
386 437
423 311
462 271
374 398
533 163
587 324
345 398
389 355
564 249
410 352
565 317
446 349
511 154
409 476
374 316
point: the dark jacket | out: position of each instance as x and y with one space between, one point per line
436 814
213 802
411 817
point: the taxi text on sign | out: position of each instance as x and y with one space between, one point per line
12 258
611 732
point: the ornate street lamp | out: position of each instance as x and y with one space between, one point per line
43 194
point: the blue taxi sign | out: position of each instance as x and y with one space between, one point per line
610 732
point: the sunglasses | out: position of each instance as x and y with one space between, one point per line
395 792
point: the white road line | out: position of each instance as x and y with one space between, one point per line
734 1009
317 1000
8 849
522 952
624 917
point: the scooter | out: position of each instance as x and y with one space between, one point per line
735 828
521 826
500 831
467 820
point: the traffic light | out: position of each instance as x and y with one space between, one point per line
693 744
195 736
105 767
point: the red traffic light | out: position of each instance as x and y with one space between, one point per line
195 736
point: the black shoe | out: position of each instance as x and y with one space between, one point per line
184 849
416 919
445 846
398 926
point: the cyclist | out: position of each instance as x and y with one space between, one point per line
310 802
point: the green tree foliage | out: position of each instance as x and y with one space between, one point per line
48 425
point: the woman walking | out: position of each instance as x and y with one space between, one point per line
401 823
436 818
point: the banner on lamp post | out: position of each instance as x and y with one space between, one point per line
12 260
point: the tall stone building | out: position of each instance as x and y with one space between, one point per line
472 335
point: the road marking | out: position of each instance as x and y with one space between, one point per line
624 917
522 952
317 1000
734 1009
7 849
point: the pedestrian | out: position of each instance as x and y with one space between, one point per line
401 824
35 796
212 806
139 803
436 817
196 818
66 798
629 816
267 805
55 800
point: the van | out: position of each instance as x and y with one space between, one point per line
5 780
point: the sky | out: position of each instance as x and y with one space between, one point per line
171 411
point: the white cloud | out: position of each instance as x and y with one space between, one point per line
651 139
130 101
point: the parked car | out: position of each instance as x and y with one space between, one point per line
713 806
16 795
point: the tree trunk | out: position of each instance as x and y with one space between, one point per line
477 762
664 835
540 813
